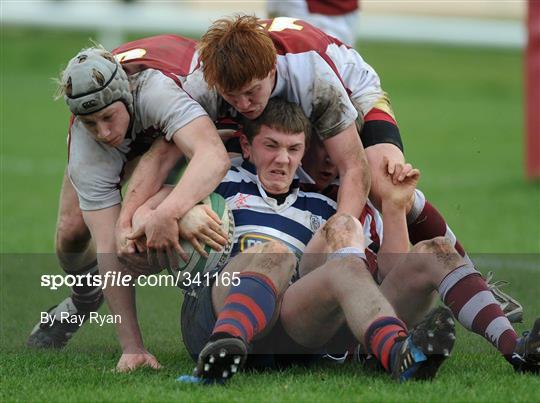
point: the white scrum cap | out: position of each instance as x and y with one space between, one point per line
93 80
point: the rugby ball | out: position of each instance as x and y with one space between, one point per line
196 266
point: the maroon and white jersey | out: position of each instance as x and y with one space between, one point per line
332 7
312 65
337 18
155 67
328 79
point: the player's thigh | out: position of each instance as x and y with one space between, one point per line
315 253
72 234
409 290
310 314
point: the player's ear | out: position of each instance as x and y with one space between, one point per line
246 147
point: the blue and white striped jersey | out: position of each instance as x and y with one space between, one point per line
259 218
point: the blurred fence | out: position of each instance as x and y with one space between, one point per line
396 21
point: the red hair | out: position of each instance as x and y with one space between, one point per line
235 51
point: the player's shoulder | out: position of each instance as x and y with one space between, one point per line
293 36
152 86
172 54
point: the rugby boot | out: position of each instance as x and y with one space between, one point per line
367 360
63 320
424 349
511 308
220 359
526 356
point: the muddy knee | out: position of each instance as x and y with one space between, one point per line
343 230
441 248
72 235
435 245
276 261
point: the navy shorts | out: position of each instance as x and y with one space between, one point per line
275 350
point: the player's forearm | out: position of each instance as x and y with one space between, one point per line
120 298
353 190
202 175
121 302
147 179
347 153
395 237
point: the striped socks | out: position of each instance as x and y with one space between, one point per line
248 308
382 339
466 293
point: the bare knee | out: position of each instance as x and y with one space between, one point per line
438 246
72 234
343 230
276 261
439 254
278 256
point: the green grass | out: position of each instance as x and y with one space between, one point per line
460 113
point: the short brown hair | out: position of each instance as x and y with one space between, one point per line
282 115
234 51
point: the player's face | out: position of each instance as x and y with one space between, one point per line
318 165
276 155
108 125
251 99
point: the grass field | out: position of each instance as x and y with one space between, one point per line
460 113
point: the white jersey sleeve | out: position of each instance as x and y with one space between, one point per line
358 76
307 79
163 105
195 85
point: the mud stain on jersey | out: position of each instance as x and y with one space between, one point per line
331 112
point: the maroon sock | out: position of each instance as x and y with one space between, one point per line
425 222
466 293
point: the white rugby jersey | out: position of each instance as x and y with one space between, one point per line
160 107
314 70
259 218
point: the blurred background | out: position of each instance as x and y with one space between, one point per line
491 23
454 71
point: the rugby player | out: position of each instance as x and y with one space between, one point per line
249 61
123 102
274 221
341 295
411 279
338 18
